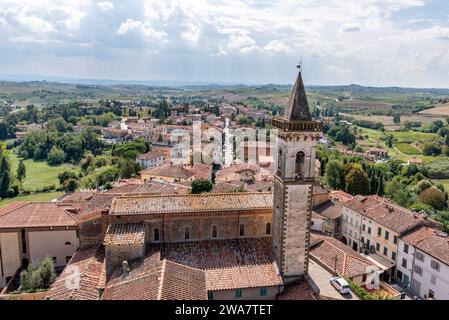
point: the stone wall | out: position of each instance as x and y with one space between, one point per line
116 254
200 225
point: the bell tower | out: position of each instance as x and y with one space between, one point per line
297 135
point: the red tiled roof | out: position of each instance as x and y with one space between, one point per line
38 214
153 279
337 256
82 277
149 204
394 217
181 282
229 264
329 209
430 241
125 233
363 203
170 170
298 290
153 187
150 155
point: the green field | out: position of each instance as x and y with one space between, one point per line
39 174
402 152
407 149
444 182
32 197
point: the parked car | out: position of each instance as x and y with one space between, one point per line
341 285
399 289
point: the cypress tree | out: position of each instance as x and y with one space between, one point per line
21 171
380 186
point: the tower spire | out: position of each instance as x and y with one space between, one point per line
297 107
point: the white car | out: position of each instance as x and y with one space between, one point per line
341 285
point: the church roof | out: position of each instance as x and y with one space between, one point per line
149 204
228 264
297 107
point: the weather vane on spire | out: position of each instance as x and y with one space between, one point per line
299 65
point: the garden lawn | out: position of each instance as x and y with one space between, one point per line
444 182
407 149
38 173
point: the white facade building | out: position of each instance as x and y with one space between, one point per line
151 159
423 263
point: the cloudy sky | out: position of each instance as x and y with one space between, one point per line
369 42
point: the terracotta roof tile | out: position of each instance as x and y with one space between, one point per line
394 217
228 264
337 256
170 170
298 290
191 203
125 233
38 214
430 241
82 278
329 209
153 279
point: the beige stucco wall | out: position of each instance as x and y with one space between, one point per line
52 243
9 245
247 294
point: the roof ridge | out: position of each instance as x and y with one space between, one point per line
23 204
208 194
161 284
138 276
184 265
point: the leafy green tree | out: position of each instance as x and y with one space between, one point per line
334 174
87 161
422 185
66 175
5 174
433 197
131 150
398 193
389 141
21 171
38 276
430 149
4 130
357 182
128 168
56 156
397 118
71 185
201 185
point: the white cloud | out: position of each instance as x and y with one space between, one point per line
436 32
105 6
210 35
276 46
146 31
192 33
240 41
350 27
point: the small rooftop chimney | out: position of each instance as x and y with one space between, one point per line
125 268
